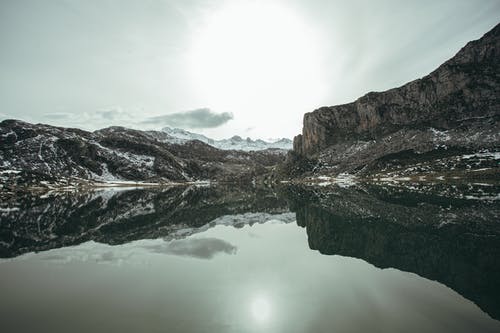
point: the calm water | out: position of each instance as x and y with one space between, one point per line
231 259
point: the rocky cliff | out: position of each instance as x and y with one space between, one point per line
456 106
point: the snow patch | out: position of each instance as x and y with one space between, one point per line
10 171
9 209
486 198
487 155
343 180
440 135
106 175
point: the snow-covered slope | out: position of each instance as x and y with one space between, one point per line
35 153
177 135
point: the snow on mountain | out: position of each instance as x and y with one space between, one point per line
34 154
177 135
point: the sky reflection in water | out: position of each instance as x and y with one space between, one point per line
261 278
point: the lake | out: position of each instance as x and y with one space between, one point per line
235 258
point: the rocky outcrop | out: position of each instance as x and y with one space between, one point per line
457 105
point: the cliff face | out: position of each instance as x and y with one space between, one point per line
461 96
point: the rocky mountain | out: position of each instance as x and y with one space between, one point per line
234 143
36 154
450 113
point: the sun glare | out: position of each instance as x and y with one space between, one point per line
261 309
250 54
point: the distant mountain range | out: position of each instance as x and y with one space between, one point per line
234 143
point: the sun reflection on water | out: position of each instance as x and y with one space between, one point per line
261 308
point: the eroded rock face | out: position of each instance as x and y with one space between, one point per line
461 95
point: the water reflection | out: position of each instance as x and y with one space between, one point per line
273 283
120 217
261 308
202 248
453 241
439 234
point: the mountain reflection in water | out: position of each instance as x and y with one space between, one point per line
440 233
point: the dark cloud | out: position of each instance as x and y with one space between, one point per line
198 118
202 248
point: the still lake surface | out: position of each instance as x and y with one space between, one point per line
246 259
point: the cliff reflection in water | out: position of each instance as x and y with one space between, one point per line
453 241
438 233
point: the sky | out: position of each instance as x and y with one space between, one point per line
220 68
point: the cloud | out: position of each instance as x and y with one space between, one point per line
113 114
57 115
110 115
89 120
202 248
198 118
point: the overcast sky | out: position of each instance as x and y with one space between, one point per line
221 68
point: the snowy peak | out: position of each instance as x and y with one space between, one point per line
236 142
178 135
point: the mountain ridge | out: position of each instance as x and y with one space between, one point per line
234 143
35 154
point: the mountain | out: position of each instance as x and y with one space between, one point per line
234 143
440 120
178 135
37 154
